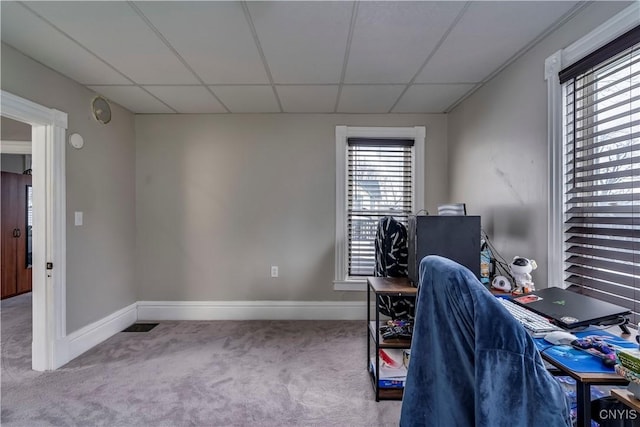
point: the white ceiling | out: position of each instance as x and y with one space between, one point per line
280 56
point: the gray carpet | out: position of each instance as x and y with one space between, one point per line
215 373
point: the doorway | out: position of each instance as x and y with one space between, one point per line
16 208
48 126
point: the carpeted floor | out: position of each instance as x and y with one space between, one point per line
216 373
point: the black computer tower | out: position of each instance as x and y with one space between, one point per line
453 237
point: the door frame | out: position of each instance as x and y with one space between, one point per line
49 349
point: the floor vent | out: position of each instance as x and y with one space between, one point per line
141 327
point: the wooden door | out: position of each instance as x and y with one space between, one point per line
16 277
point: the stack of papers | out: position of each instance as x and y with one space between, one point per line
393 373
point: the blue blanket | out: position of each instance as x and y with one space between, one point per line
471 362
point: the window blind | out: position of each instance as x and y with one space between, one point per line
602 179
380 182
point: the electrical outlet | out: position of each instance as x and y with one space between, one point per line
274 271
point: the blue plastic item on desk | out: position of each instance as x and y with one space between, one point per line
579 361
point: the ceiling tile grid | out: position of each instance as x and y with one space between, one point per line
368 98
391 40
308 99
486 37
215 30
114 32
248 99
49 46
187 99
430 98
133 98
304 42
280 56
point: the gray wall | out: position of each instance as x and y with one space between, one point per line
498 146
100 182
221 198
13 130
12 163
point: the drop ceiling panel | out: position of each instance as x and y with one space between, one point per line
218 44
188 99
431 98
487 36
303 42
391 40
368 98
38 40
247 99
133 99
114 32
308 99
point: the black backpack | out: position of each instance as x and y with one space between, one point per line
392 255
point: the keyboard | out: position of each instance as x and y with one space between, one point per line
537 326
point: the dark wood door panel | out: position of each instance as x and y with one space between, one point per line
16 277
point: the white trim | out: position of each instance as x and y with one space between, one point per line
554 152
341 281
608 31
340 269
49 349
419 153
252 310
15 147
93 334
603 34
350 285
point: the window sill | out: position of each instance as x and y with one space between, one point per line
350 285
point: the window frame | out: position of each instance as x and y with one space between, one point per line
342 281
619 24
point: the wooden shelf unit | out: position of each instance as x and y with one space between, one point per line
384 286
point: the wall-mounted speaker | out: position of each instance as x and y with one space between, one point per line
101 110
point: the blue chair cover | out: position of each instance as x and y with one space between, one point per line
472 363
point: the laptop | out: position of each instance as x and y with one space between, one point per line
569 310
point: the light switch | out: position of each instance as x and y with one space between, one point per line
78 218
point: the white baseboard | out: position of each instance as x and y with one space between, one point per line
252 310
93 334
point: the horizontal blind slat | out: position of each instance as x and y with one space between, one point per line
625 185
600 274
625 161
604 286
612 220
623 197
604 296
621 209
605 243
602 253
606 176
618 232
602 264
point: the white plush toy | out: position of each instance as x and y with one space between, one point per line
520 268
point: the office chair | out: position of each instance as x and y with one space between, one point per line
472 363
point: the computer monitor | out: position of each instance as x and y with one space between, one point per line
453 237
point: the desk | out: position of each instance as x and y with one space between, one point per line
626 397
584 381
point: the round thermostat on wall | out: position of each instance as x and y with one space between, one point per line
76 140
101 110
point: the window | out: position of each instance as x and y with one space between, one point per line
601 173
379 173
